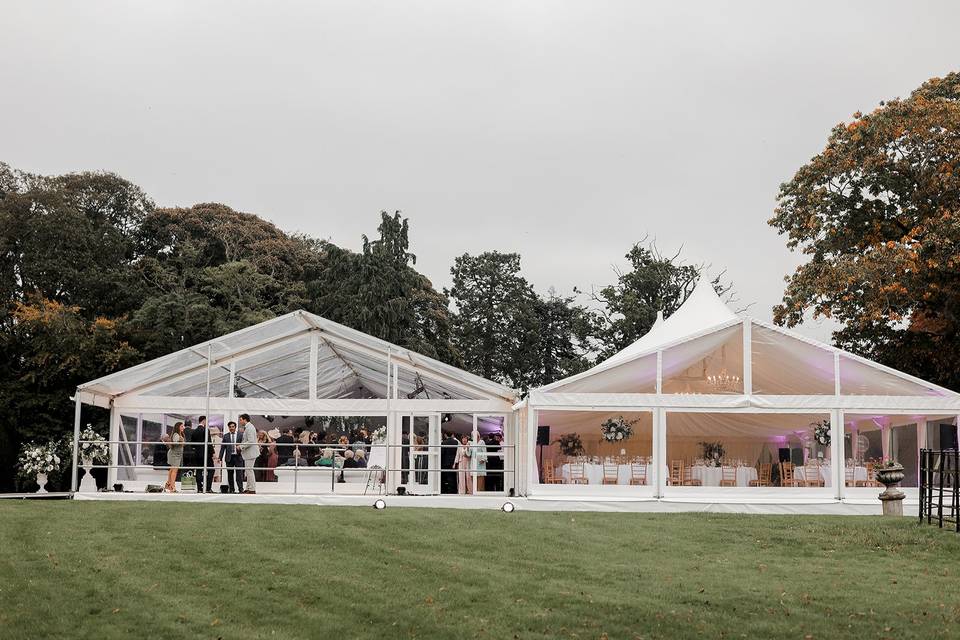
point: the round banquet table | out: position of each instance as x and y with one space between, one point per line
711 476
804 473
594 473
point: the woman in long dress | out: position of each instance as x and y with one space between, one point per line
478 458
174 456
462 463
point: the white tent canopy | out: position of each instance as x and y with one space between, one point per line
706 372
299 356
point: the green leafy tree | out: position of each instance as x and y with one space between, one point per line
877 213
56 347
207 270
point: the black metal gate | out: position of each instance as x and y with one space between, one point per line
940 486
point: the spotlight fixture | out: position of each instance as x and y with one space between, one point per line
238 392
379 504
508 507
446 418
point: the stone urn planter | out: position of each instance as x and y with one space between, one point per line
42 481
87 483
890 476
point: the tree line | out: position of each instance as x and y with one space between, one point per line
97 278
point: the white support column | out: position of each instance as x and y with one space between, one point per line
921 441
885 438
659 449
233 380
836 373
314 355
659 372
533 467
76 441
747 357
838 464
114 446
855 452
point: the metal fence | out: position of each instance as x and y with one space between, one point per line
940 487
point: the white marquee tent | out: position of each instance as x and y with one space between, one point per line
706 373
296 365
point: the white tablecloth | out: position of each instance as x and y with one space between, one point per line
594 473
826 471
711 476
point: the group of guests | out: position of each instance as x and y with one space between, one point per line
238 451
249 455
466 459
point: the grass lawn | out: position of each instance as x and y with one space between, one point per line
112 570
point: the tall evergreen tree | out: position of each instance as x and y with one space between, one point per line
378 291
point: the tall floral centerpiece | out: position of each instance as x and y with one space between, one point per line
821 435
570 445
37 461
616 430
713 452
93 448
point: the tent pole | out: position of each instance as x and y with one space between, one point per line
206 430
76 442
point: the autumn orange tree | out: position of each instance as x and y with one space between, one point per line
878 214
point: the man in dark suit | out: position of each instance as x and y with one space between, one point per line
199 437
228 452
495 462
285 447
448 454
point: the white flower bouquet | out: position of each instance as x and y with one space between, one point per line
38 458
821 433
616 430
379 436
93 446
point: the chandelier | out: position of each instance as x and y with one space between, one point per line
723 382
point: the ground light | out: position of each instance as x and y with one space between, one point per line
379 504
508 507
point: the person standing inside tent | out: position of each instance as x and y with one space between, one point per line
478 460
448 460
249 450
229 454
202 455
462 462
174 456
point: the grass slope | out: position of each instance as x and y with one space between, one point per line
112 570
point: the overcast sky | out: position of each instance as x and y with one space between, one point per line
563 131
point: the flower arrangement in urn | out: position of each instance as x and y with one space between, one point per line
93 447
821 432
38 460
713 452
615 430
570 444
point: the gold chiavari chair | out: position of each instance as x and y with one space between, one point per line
638 473
812 475
676 473
848 477
728 476
688 479
549 474
611 471
871 480
764 476
787 479
577 474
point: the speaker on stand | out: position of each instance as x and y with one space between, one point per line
543 440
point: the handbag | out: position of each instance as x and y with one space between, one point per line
188 482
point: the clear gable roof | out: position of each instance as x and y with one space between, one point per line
272 360
703 337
